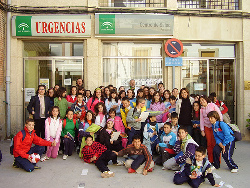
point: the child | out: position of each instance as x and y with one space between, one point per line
79 108
118 125
131 97
225 142
124 110
53 129
22 147
138 155
97 97
174 123
101 112
157 105
68 133
184 148
196 169
166 96
106 136
171 108
61 102
86 128
94 152
113 102
72 96
150 134
88 95
167 142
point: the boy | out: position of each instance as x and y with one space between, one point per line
170 109
22 147
124 110
174 123
225 142
165 147
94 152
196 170
138 155
79 108
184 148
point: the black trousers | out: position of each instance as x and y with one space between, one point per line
40 127
102 161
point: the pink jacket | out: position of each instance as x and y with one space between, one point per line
158 107
91 106
119 125
47 130
204 121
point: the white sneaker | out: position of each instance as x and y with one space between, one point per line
212 168
65 157
234 170
44 158
107 174
120 163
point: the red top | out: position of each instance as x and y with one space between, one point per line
221 104
96 149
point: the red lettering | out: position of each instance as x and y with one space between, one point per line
73 27
78 27
56 27
83 27
62 27
37 27
44 26
50 27
67 27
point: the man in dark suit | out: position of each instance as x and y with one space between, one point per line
39 107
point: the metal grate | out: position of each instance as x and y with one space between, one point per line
209 4
2 46
132 3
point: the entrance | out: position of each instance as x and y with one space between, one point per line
203 76
49 71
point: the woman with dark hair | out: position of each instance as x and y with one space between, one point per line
61 102
72 96
39 107
206 126
157 105
97 97
184 110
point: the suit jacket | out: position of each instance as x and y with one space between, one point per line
35 103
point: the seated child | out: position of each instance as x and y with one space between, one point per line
106 136
140 160
53 129
196 169
68 133
167 142
225 142
184 148
94 152
150 134
86 128
170 109
22 147
118 125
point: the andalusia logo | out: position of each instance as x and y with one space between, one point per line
106 24
23 26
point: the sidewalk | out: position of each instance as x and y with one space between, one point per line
67 173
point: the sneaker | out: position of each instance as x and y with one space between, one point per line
15 165
65 157
44 158
150 170
37 167
131 170
234 170
163 168
212 167
120 163
107 174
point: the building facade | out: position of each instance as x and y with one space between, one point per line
109 42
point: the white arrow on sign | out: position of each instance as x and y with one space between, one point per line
172 52
173 42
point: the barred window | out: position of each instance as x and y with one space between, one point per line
132 3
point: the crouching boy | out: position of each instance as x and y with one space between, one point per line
139 158
196 169
22 147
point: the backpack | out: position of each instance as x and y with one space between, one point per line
236 131
12 142
64 122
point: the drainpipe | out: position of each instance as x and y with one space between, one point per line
8 71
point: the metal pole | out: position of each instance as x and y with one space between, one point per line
8 55
173 78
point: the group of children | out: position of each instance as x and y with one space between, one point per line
104 129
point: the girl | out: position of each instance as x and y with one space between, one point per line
157 105
106 93
196 125
87 127
53 129
131 97
122 94
166 95
184 109
106 136
101 112
146 96
205 125
118 125
68 133
61 102
97 97
151 93
113 102
88 95
225 142
81 90
72 96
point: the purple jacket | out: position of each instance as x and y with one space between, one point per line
158 107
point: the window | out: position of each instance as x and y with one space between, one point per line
125 61
131 3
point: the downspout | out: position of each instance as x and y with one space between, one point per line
8 55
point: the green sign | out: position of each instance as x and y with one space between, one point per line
23 26
106 24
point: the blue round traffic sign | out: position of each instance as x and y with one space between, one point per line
174 47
